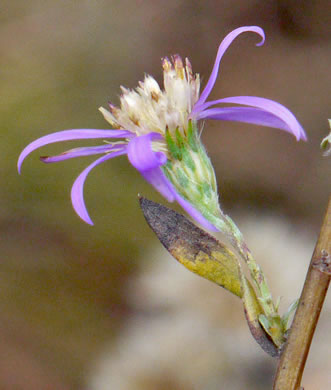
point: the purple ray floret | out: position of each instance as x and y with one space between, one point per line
77 193
80 152
149 163
68 135
259 111
221 50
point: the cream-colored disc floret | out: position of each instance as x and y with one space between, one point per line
150 109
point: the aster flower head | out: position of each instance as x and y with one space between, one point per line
159 131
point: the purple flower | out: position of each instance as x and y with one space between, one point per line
150 119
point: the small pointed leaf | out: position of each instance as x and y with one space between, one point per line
253 313
290 312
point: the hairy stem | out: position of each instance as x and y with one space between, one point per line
294 355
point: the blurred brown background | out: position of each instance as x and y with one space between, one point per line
104 307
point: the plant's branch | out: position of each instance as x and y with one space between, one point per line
294 355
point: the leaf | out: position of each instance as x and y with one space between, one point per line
195 249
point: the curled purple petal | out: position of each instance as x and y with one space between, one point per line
252 115
195 214
77 195
148 163
67 135
141 154
221 50
79 152
290 123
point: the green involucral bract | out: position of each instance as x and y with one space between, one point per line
190 171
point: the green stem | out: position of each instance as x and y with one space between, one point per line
255 270
271 321
294 356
